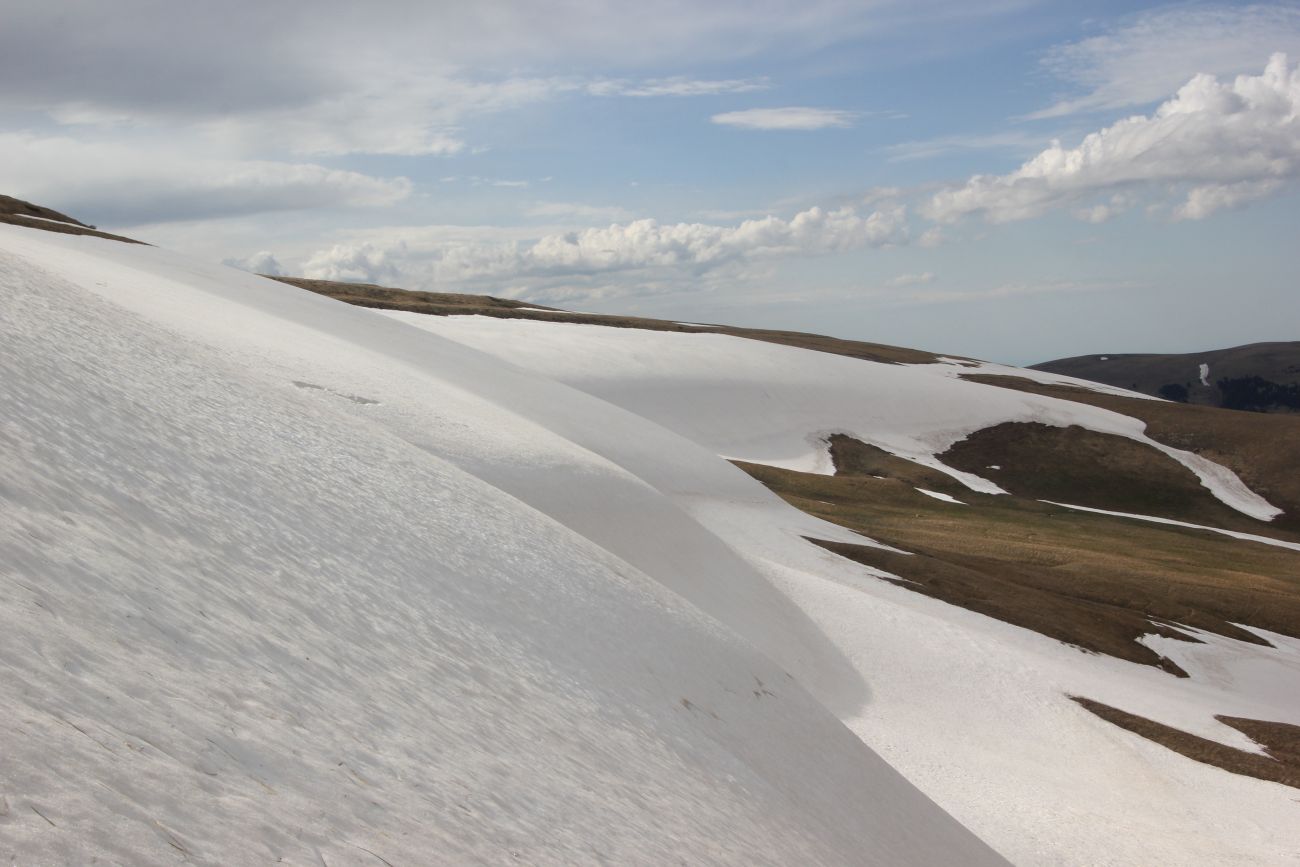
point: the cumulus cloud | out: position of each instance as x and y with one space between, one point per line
263 262
358 264
119 184
788 117
1014 141
913 279
1215 144
1146 57
686 249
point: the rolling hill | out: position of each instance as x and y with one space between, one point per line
421 577
1258 377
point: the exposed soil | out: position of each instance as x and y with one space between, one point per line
9 206
1094 581
1263 449
1281 740
1105 471
61 228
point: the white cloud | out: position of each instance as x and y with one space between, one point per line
913 279
1215 144
359 264
263 262
124 184
402 77
1148 56
932 237
580 212
675 86
1014 141
1205 200
685 250
788 117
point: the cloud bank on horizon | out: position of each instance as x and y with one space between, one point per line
667 160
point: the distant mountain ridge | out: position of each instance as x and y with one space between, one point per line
1257 377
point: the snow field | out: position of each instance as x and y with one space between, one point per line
244 621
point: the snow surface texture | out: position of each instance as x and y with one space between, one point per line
973 710
776 405
248 618
532 618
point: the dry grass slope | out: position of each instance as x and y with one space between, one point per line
1281 740
1094 581
1263 449
16 212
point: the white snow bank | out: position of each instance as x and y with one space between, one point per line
952 693
245 621
776 405
956 368
940 496
1250 537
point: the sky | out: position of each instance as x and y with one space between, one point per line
1012 180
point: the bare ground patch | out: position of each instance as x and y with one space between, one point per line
1105 471
1281 740
1262 449
9 206
1093 581
62 228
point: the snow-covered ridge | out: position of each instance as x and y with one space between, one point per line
435 605
255 621
776 405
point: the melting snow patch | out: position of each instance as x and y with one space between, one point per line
938 496
1250 537
1205 374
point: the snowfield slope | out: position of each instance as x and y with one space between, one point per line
256 611
287 578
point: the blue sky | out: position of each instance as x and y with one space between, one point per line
1021 181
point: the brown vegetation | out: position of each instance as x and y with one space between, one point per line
62 228
1281 740
1105 471
1264 450
16 212
9 206
448 304
1094 581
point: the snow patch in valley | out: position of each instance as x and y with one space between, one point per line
1250 537
939 496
